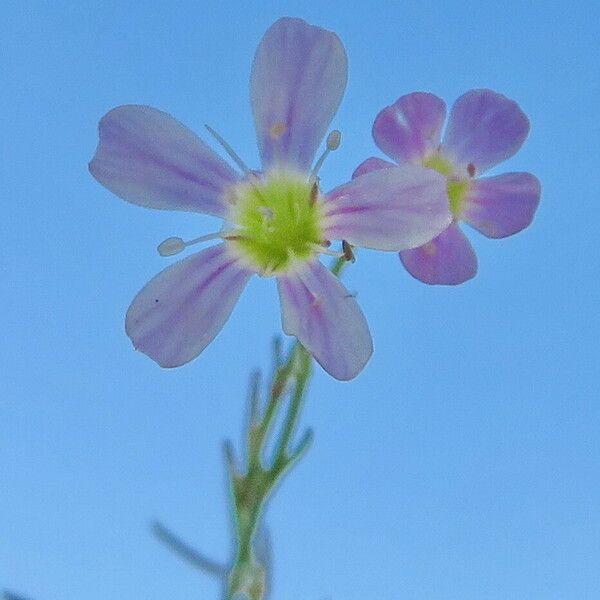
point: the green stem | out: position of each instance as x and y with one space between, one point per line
252 489
338 266
281 456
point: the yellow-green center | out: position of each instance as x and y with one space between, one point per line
458 188
457 192
440 164
277 220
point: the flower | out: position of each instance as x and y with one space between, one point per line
484 128
276 221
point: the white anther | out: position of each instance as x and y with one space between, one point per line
334 139
174 245
171 246
333 143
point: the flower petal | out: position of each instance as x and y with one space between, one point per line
410 129
484 129
147 157
179 312
298 79
319 311
388 209
448 259
503 205
371 164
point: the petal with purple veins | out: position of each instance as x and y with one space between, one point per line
448 259
298 79
388 209
503 205
484 128
319 311
410 129
179 312
371 164
147 157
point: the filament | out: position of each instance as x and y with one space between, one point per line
232 153
333 143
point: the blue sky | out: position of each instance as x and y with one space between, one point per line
463 463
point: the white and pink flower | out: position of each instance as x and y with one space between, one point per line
276 221
484 129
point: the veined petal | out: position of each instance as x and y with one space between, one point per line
298 79
503 205
388 209
319 311
371 164
410 129
179 312
448 259
484 128
147 157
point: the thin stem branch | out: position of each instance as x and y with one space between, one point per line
303 375
185 551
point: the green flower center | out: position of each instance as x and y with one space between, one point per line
440 164
457 192
277 220
457 188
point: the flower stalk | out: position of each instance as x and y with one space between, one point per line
252 487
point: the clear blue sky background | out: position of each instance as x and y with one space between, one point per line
463 464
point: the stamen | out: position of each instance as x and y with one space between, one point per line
235 237
320 249
232 153
277 130
334 139
314 193
347 251
175 245
333 143
471 170
171 246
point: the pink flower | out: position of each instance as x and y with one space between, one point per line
277 221
484 128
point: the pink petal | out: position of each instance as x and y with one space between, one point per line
503 205
319 311
448 259
371 164
147 157
410 129
484 129
298 79
179 312
389 209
